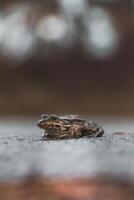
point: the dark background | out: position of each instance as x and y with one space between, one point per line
86 68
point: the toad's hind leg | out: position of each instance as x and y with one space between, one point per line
92 129
99 133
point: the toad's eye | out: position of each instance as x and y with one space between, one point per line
53 117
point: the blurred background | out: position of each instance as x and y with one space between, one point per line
67 56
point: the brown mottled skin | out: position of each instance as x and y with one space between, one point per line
65 127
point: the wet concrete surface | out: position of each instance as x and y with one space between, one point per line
22 151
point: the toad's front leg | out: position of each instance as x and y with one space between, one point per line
45 135
75 131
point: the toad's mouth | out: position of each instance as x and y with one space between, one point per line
49 124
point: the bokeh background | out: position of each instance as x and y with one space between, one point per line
67 56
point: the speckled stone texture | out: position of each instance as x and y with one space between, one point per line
95 168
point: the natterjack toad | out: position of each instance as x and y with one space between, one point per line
71 126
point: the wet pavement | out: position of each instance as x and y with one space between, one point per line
22 151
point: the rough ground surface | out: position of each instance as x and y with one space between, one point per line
22 150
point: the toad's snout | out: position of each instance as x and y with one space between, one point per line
40 123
